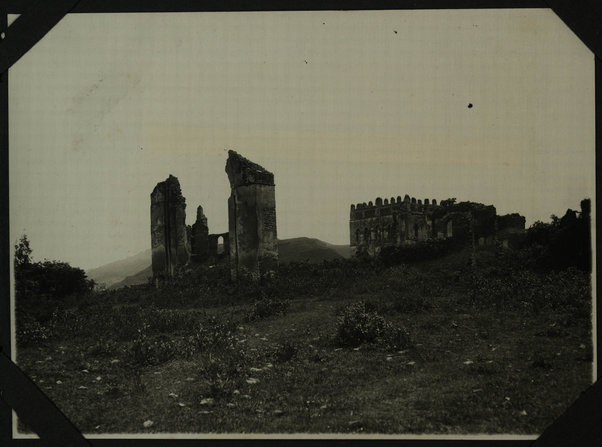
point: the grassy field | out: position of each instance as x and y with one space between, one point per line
436 347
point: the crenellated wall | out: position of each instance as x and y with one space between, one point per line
397 221
393 221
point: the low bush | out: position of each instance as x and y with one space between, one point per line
360 324
267 307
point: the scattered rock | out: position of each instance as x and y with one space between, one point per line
207 401
181 404
205 412
58 382
411 363
523 413
255 369
98 379
85 371
269 365
82 387
174 395
246 396
97 427
389 358
189 379
114 361
230 405
252 381
468 362
278 412
147 424
235 392
354 424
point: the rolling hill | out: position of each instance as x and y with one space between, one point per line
137 269
116 271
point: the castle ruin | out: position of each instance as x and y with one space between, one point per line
169 235
251 219
250 245
398 222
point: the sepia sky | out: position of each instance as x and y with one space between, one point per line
341 106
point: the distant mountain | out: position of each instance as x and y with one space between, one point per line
115 272
137 269
301 249
133 280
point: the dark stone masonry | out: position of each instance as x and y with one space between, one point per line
169 236
398 222
250 245
252 219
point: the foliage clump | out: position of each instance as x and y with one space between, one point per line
360 324
563 243
267 307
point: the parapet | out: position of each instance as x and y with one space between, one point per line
243 172
408 203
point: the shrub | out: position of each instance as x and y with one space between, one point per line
359 324
152 350
224 372
267 307
31 331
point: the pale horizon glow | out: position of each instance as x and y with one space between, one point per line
342 107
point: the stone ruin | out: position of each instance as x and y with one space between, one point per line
251 219
250 245
169 235
398 222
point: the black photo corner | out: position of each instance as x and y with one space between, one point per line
581 423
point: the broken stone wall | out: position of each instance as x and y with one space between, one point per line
252 219
169 240
199 237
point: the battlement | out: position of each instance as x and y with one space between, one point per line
362 210
398 222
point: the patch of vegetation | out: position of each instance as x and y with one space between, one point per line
360 324
490 343
267 307
420 251
563 243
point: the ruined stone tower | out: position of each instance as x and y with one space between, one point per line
199 236
251 219
169 240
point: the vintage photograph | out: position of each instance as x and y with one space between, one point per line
328 223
